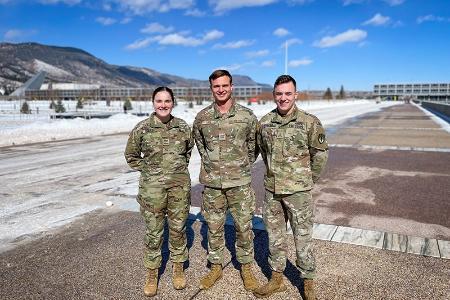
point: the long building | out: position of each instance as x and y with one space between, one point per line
34 89
419 91
95 92
105 93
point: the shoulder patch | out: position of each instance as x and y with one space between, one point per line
321 138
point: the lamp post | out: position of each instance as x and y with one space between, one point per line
286 58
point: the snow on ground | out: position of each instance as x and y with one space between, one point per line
23 129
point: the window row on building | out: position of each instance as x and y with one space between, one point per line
187 93
434 91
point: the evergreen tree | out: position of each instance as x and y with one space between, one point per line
59 107
79 104
341 93
328 95
25 109
127 105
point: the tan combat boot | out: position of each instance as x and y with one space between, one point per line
151 283
250 282
211 278
274 285
310 294
178 278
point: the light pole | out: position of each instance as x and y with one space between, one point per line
286 58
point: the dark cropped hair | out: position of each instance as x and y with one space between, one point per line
284 79
163 88
219 73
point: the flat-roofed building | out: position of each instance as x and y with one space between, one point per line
94 92
420 91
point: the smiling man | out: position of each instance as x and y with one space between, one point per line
294 149
225 134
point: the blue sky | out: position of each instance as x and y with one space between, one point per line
356 43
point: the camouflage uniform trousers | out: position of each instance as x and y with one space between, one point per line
157 202
240 201
298 208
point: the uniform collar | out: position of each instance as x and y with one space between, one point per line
277 118
231 112
156 122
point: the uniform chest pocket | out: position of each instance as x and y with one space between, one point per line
268 135
237 131
210 134
295 142
152 143
177 143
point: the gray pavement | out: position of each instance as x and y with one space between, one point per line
100 257
378 189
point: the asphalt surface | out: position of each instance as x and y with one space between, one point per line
100 257
401 191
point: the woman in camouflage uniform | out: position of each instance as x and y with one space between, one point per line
159 147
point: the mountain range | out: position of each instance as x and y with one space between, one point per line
19 62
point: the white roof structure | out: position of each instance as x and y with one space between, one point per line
34 83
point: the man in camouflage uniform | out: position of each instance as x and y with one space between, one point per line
294 149
225 134
160 148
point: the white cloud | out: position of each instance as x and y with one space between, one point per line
281 32
181 38
394 2
377 20
258 53
105 21
18 34
181 4
299 62
268 63
13 34
139 44
126 20
213 35
194 13
156 28
234 44
349 2
351 35
106 6
68 2
139 7
389 2
431 18
291 42
221 6
230 68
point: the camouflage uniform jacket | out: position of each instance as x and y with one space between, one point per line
227 145
161 152
294 150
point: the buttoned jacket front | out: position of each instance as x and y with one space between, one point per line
227 145
161 152
294 150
